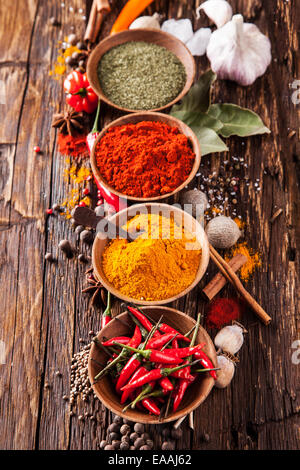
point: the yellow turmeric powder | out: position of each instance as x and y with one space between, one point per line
155 266
252 256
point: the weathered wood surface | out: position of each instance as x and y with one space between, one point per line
43 313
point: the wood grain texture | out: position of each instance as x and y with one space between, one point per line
43 313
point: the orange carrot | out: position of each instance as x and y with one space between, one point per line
130 12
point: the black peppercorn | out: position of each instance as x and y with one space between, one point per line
86 236
65 247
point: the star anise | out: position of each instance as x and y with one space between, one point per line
95 288
69 123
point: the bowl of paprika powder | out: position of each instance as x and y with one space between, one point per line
145 156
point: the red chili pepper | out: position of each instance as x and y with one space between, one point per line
136 339
142 319
138 373
185 352
153 355
111 199
166 384
168 329
127 371
80 94
120 339
206 362
106 315
178 396
151 406
160 341
153 375
175 343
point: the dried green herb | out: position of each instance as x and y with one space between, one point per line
140 75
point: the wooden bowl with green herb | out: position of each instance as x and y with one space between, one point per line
177 68
135 118
196 393
120 219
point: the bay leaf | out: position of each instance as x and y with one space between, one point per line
198 97
209 140
237 121
191 118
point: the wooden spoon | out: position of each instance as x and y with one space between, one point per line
87 217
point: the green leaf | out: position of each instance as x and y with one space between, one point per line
198 97
237 121
209 140
198 119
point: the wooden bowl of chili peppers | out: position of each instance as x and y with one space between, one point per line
152 364
153 36
113 171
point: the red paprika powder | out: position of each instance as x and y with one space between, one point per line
144 159
223 311
74 146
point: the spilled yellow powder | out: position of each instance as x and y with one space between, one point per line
253 257
239 223
78 176
155 266
60 64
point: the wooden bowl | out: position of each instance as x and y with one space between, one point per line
149 116
147 35
196 393
121 218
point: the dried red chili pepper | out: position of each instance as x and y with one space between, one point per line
138 373
154 375
106 315
153 355
142 318
206 362
185 352
80 94
151 406
127 371
120 339
111 199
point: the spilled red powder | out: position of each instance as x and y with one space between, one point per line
223 311
74 146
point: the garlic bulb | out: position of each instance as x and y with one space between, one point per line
230 339
146 22
239 51
218 11
226 372
222 232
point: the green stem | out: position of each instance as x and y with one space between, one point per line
110 365
195 331
151 332
107 311
168 370
204 370
95 126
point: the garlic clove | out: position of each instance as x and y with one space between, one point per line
222 232
199 41
146 22
218 11
226 372
230 339
182 29
239 51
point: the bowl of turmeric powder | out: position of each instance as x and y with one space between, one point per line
165 258
145 156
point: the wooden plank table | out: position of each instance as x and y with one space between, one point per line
44 314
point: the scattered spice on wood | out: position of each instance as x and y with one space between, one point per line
141 75
253 259
72 145
223 311
144 159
